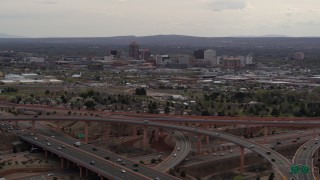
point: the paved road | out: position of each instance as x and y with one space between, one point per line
303 157
112 157
280 163
101 166
183 146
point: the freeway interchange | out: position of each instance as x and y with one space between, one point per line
280 163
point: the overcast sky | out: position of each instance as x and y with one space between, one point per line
89 18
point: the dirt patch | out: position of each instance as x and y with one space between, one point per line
161 146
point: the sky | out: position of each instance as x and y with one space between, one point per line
206 18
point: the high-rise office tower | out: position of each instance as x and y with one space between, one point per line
134 50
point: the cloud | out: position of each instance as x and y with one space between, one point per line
221 5
292 11
47 2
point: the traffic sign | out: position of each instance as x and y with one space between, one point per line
294 169
81 136
304 169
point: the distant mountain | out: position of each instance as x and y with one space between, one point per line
2 35
171 40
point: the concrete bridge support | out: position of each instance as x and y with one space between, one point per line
86 131
207 127
199 144
241 160
33 126
106 133
145 137
81 173
134 130
46 153
62 162
156 134
265 137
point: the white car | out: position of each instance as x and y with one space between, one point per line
174 155
123 171
50 174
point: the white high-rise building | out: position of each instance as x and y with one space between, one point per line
210 56
158 58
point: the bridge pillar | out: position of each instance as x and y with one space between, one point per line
86 131
265 137
156 134
207 137
62 162
87 172
314 132
33 122
80 169
145 137
106 133
134 130
241 160
46 153
199 144
68 163
101 177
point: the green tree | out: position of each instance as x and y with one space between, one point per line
271 176
239 177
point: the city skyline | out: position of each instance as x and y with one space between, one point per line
204 18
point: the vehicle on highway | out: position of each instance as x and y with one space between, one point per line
251 146
107 157
174 155
231 151
178 149
222 154
214 154
136 165
59 148
273 160
217 134
135 169
92 163
77 144
50 174
123 163
304 147
63 146
268 152
46 139
48 144
145 121
118 160
94 149
35 138
123 171
31 134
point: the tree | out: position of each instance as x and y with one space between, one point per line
183 174
141 91
47 92
153 161
239 177
275 112
167 110
271 176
